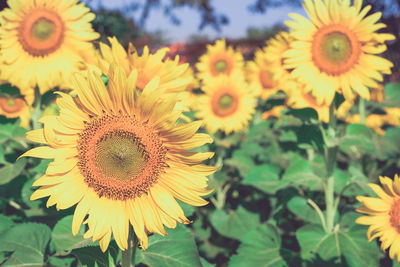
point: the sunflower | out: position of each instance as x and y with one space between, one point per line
260 73
384 214
44 39
219 60
15 107
227 105
121 158
336 49
172 74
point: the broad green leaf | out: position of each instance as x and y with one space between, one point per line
299 206
64 240
10 171
351 183
389 144
358 140
177 249
2 159
259 247
263 177
26 193
287 136
392 95
205 263
310 134
313 239
350 243
304 114
260 131
356 248
241 161
235 223
42 166
61 262
11 131
252 148
5 223
300 173
93 256
27 242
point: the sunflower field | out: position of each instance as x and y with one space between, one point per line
114 153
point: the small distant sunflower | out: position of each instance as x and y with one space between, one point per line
40 42
15 107
298 98
171 73
219 60
274 51
383 214
228 104
261 74
336 49
121 158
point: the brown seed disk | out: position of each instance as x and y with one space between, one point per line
120 157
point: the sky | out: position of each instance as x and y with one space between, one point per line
240 18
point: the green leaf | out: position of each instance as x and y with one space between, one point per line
10 171
177 249
350 243
252 148
392 95
259 247
64 240
260 131
300 173
358 140
61 262
241 161
301 209
11 131
205 263
2 159
93 256
313 239
236 223
351 183
42 166
310 134
263 177
26 192
304 114
27 242
5 223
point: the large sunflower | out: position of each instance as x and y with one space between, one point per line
121 158
15 107
219 60
40 42
227 105
383 214
173 76
336 49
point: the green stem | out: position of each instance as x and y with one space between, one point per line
330 161
128 255
37 109
361 108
